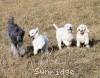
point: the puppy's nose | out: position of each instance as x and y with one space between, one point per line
31 36
28 35
70 28
81 30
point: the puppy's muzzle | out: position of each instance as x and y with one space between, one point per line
82 32
70 30
32 37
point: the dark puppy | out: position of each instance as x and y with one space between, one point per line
15 35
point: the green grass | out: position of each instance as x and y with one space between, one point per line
39 13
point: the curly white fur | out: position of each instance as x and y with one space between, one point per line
82 35
38 41
64 34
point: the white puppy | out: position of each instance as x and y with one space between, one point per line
82 35
38 41
64 34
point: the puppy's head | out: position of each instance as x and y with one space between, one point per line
82 29
69 27
33 33
11 20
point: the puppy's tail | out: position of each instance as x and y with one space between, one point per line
55 26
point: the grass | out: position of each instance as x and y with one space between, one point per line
39 13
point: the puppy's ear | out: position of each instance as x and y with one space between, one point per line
78 28
87 30
37 30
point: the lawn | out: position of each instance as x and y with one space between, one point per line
65 63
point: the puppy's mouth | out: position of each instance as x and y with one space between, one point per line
81 32
32 37
70 30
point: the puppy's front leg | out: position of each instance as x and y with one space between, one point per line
87 43
67 44
59 45
87 46
21 50
35 51
78 44
15 51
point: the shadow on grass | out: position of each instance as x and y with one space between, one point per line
93 42
29 51
53 48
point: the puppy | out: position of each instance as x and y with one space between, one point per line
38 41
15 35
82 35
64 34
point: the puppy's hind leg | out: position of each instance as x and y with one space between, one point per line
59 41
59 44
15 51
45 49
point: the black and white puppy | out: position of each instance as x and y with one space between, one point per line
15 35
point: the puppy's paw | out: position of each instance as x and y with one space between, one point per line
68 48
16 56
21 51
35 53
87 46
46 53
78 46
